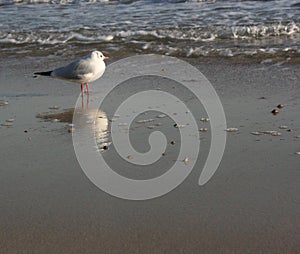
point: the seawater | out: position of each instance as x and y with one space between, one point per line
179 28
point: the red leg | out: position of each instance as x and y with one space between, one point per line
87 88
82 88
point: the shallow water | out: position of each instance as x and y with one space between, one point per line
178 28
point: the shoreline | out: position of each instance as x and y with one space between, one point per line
285 58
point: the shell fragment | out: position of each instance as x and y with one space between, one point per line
232 129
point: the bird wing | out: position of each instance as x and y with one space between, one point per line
78 70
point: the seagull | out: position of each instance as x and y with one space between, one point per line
83 71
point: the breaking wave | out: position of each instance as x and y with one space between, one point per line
175 27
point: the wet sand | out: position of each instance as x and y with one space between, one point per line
251 205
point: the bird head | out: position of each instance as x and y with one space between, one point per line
99 54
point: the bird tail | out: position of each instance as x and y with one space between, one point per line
43 73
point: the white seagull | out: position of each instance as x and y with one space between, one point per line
83 71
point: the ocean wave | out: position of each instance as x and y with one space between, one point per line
197 34
236 32
51 38
64 2
4 2
208 34
61 2
256 40
262 31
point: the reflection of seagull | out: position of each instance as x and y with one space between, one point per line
83 71
95 122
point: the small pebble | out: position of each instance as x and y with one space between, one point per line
179 125
129 157
173 142
11 120
3 103
25 131
105 147
161 116
55 120
284 127
256 133
298 153
7 124
204 119
203 129
151 127
164 154
280 105
145 121
54 107
232 129
72 130
186 160
297 137
71 125
275 112
273 133
290 130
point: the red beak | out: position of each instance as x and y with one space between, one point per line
105 57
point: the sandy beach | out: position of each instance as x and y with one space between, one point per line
251 205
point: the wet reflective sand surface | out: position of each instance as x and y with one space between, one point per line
251 205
